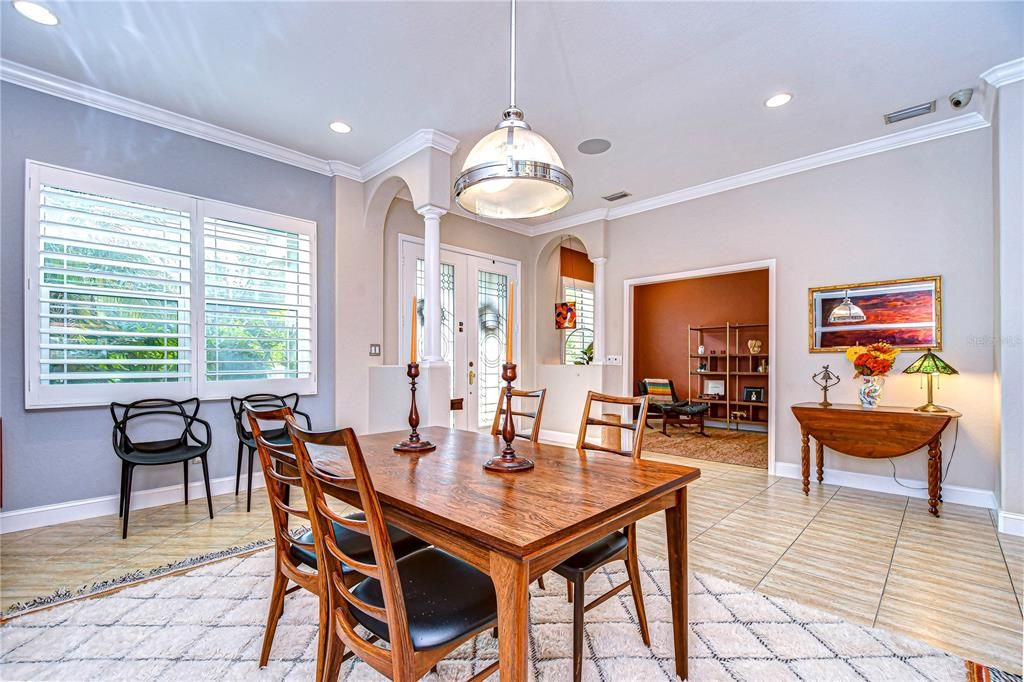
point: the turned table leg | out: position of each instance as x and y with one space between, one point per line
934 476
819 456
805 460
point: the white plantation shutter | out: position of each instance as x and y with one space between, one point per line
109 290
258 288
576 343
114 295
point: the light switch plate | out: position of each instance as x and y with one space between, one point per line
374 350
613 360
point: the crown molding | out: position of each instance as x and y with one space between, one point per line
930 131
1004 74
48 83
425 138
42 81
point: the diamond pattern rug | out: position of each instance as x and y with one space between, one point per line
208 624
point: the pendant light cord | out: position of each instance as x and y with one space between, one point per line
512 57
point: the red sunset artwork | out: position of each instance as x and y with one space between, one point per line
909 308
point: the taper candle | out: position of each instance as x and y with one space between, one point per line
412 349
509 321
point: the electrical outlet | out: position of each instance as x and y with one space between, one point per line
374 350
613 360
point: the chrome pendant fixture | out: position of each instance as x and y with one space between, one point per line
513 172
846 312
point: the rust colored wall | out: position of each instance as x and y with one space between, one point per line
576 265
662 311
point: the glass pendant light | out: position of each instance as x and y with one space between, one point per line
846 312
513 172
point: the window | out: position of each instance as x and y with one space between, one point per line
113 288
578 343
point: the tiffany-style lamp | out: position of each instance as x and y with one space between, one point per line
932 365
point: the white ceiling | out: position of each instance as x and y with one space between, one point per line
677 87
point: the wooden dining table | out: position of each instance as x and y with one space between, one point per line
517 526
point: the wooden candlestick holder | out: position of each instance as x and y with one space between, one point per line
413 442
509 460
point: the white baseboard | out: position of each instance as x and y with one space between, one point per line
1011 523
884 484
76 510
557 437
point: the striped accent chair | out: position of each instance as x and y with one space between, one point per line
665 405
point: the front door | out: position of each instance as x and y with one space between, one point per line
474 300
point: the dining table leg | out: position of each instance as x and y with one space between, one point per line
676 531
511 578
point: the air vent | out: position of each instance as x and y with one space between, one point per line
617 195
910 112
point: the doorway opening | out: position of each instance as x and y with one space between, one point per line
474 302
700 343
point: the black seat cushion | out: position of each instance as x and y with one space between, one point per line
688 409
163 452
357 545
445 599
273 436
593 555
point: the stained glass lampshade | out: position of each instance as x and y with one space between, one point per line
931 365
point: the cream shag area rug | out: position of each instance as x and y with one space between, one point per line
207 624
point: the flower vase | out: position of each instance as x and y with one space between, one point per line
870 390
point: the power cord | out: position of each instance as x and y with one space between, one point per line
956 435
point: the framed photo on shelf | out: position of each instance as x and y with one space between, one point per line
753 394
714 386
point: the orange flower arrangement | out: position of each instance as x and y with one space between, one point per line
873 360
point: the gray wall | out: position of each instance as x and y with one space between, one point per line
59 455
920 210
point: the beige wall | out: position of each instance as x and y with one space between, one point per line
459 232
920 210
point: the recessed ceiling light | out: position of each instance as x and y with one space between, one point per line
594 145
36 12
778 100
341 127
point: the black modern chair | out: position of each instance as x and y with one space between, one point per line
666 405
276 436
183 447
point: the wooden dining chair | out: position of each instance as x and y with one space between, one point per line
534 433
618 546
295 558
423 605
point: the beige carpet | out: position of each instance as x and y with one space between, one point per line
207 624
746 448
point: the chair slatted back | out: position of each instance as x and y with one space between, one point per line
331 557
635 426
538 394
277 482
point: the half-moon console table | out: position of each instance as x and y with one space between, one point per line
873 433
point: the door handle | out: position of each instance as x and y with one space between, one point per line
472 377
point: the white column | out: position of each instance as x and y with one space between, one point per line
432 283
599 309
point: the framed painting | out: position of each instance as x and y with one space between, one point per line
904 312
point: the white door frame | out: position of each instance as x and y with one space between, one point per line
627 327
401 308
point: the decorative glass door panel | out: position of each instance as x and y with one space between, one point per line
474 302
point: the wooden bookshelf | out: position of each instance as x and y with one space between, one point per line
732 363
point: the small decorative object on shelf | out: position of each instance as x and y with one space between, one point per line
826 378
712 352
931 365
763 367
871 363
509 460
754 346
753 394
700 350
702 366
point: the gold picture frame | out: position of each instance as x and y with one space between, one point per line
904 312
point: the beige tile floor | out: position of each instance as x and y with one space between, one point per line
874 559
